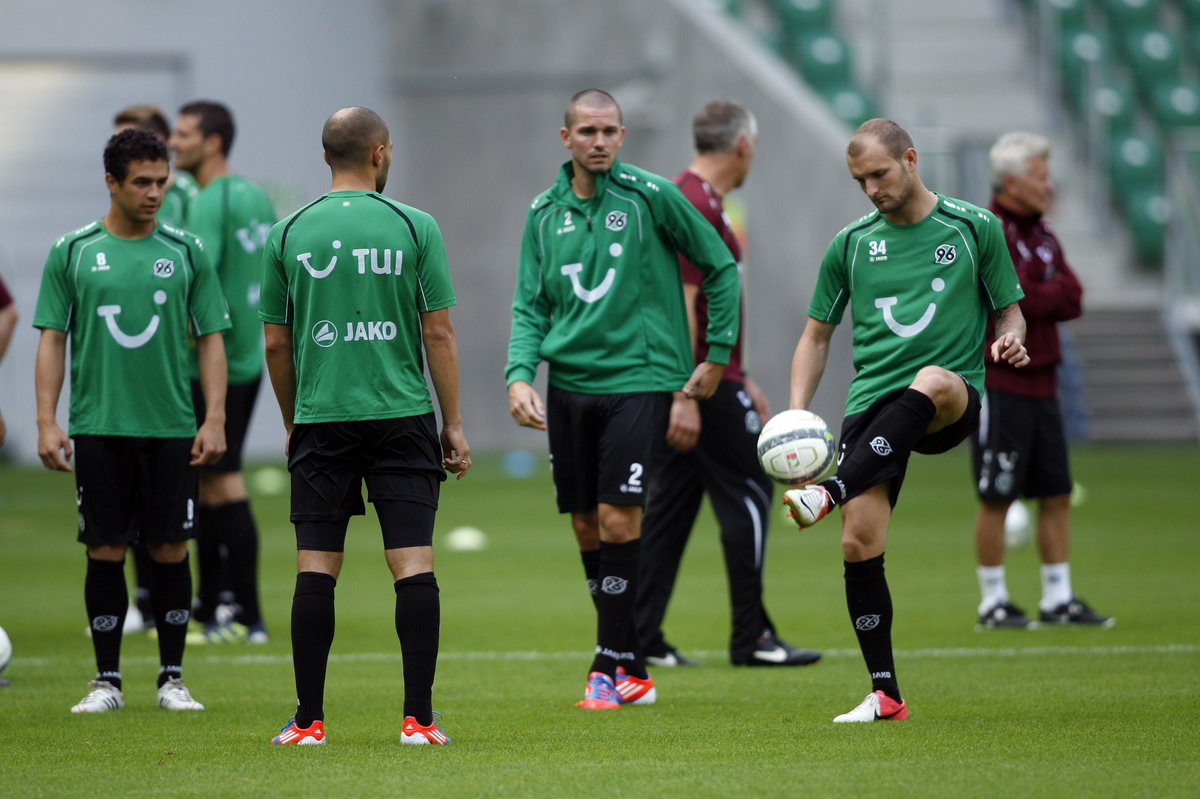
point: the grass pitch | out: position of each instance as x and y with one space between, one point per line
1045 713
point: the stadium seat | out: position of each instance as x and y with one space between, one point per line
1127 15
1064 14
1082 53
850 104
1112 104
1135 161
1176 104
1147 213
801 17
1154 55
825 60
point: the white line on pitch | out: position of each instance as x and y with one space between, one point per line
715 654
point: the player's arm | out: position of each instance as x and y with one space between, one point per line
1010 336
808 362
683 425
8 323
209 444
1057 299
530 324
281 368
441 353
54 448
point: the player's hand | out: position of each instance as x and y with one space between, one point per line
683 429
758 400
1010 348
704 380
209 444
54 448
526 406
456 452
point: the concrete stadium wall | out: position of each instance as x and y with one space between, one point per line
474 93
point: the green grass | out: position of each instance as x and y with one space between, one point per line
1047 713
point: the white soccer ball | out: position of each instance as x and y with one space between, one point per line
5 650
466 539
796 448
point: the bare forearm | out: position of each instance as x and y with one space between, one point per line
8 323
214 376
281 368
49 371
1009 319
808 364
441 351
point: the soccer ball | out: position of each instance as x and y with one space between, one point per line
796 448
5 650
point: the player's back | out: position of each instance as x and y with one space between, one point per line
352 272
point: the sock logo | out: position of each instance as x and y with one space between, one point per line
103 624
881 675
177 617
867 622
593 587
881 446
614 585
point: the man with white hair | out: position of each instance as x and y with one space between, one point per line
1020 448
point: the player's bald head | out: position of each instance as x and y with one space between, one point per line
895 139
596 99
351 134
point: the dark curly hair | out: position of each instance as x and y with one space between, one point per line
128 146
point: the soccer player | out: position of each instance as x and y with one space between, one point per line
181 191
921 274
1020 448
355 287
126 292
710 446
8 323
599 298
232 216
181 187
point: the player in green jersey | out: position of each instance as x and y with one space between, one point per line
181 187
128 293
232 216
356 302
599 298
921 274
181 191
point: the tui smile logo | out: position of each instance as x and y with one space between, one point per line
130 342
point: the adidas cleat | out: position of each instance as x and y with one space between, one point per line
174 695
414 734
809 505
878 706
635 690
601 693
312 735
103 697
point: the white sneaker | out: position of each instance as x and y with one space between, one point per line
103 697
808 505
173 695
878 706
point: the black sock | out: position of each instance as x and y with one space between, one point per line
240 536
418 626
870 606
312 635
615 635
106 600
209 564
171 598
888 438
591 570
144 576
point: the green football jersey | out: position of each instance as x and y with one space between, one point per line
130 307
352 272
919 294
178 200
233 217
599 295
